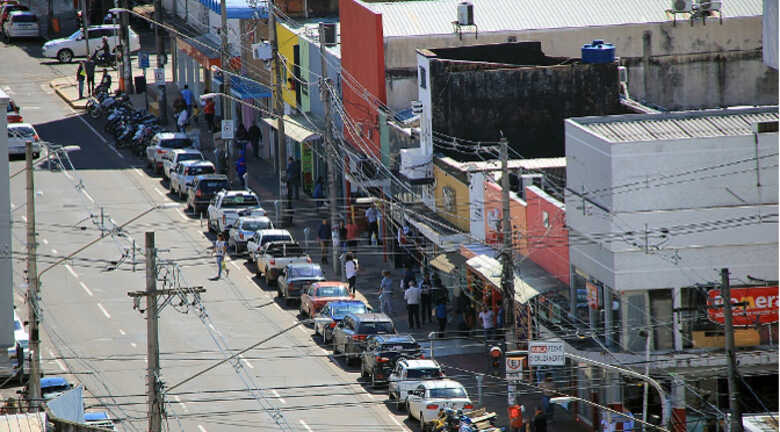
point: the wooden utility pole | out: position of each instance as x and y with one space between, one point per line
331 149
152 343
735 422
34 383
281 147
158 36
508 274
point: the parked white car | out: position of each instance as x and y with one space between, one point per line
184 174
407 375
227 206
76 46
173 157
18 135
161 144
244 229
21 337
425 401
21 24
255 244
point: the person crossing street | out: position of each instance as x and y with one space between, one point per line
219 250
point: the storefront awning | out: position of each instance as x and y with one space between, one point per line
243 88
239 9
294 130
526 286
203 49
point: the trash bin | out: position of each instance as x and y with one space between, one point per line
140 84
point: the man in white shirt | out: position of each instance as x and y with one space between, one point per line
219 250
350 271
181 121
372 216
412 297
486 316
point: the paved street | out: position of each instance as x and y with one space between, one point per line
93 335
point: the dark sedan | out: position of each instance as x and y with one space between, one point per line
296 278
381 354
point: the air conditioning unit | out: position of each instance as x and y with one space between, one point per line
465 13
329 31
710 5
682 5
262 51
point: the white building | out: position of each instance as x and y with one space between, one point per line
657 205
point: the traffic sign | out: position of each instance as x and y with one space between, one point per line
159 76
227 129
514 368
546 354
143 60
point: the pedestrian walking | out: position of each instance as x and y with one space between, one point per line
293 179
209 107
426 298
540 421
319 191
386 293
181 121
412 297
219 250
548 391
89 69
441 316
81 75
323 234
628 422
189 99
352 234
351 268
372 216
254 135
486 316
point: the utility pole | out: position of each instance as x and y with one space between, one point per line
126 76
50 18
735 422
325 95
84 24
507 276
227 112
158 36
34 383
281 148
152 342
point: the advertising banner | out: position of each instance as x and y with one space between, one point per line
761 305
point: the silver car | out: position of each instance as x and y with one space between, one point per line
244 229
183 176
18 135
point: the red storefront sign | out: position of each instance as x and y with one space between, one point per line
593 295
761 304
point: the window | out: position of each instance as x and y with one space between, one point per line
422 78
448 199
545 219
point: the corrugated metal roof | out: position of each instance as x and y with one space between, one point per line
680 125
411 18
27 422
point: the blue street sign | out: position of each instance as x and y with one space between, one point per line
143 60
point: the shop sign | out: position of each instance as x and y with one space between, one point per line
760 305
514 368
593 295
546 354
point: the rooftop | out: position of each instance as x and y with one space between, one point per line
495 165
431 17
310 30
677 125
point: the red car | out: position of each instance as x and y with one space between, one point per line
12 113
320 293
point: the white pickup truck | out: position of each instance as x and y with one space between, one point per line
275 255
228 205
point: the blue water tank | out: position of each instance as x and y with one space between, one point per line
598 52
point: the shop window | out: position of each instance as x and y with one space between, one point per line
448 199
634 318
661 315
692 317
545 219
423 84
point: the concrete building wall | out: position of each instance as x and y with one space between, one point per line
254 31
477 205
455 211
674 66
6 247
546 233
770 33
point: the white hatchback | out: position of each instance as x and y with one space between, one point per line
18 135
21 24
429 397
75 45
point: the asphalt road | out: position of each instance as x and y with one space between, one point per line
93 335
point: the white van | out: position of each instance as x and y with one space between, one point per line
21 24
76 46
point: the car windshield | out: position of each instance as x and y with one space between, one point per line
423 373
213 185
375 327
255 225
21 132
332 291
305 272
190 156
273 238
350 308
176 143
447 393
239 201
398 348
200 169
75 36
24 18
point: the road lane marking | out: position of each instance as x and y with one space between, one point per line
58 361
182 215
122 332
303 423
105 141
24 218
132 344
70 269
159 192
395 420
45 241
83 285
202 429
111 146
54 251
233 263
139 172
105 312
246 362
278 396
303 330
278 307
86 194
183 405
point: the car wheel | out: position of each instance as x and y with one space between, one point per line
422 424
302 312
374 383
409 414
65 56
363 373
258 273
401 405
268 280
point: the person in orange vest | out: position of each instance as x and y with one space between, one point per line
516 418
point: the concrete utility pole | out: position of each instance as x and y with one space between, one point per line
34 383
281 148
50 18
507 275
227 112
331 150
152 342
735 422
84 24
158 36
126 75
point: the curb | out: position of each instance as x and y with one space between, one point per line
57 85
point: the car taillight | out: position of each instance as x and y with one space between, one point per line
159 151
241 236
379 375
431 406
468 406
308 260
198 193
382 359
224 219
36 138
359 337
422 356
333 324
272 261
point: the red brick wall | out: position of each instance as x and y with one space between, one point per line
362 57
547 247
